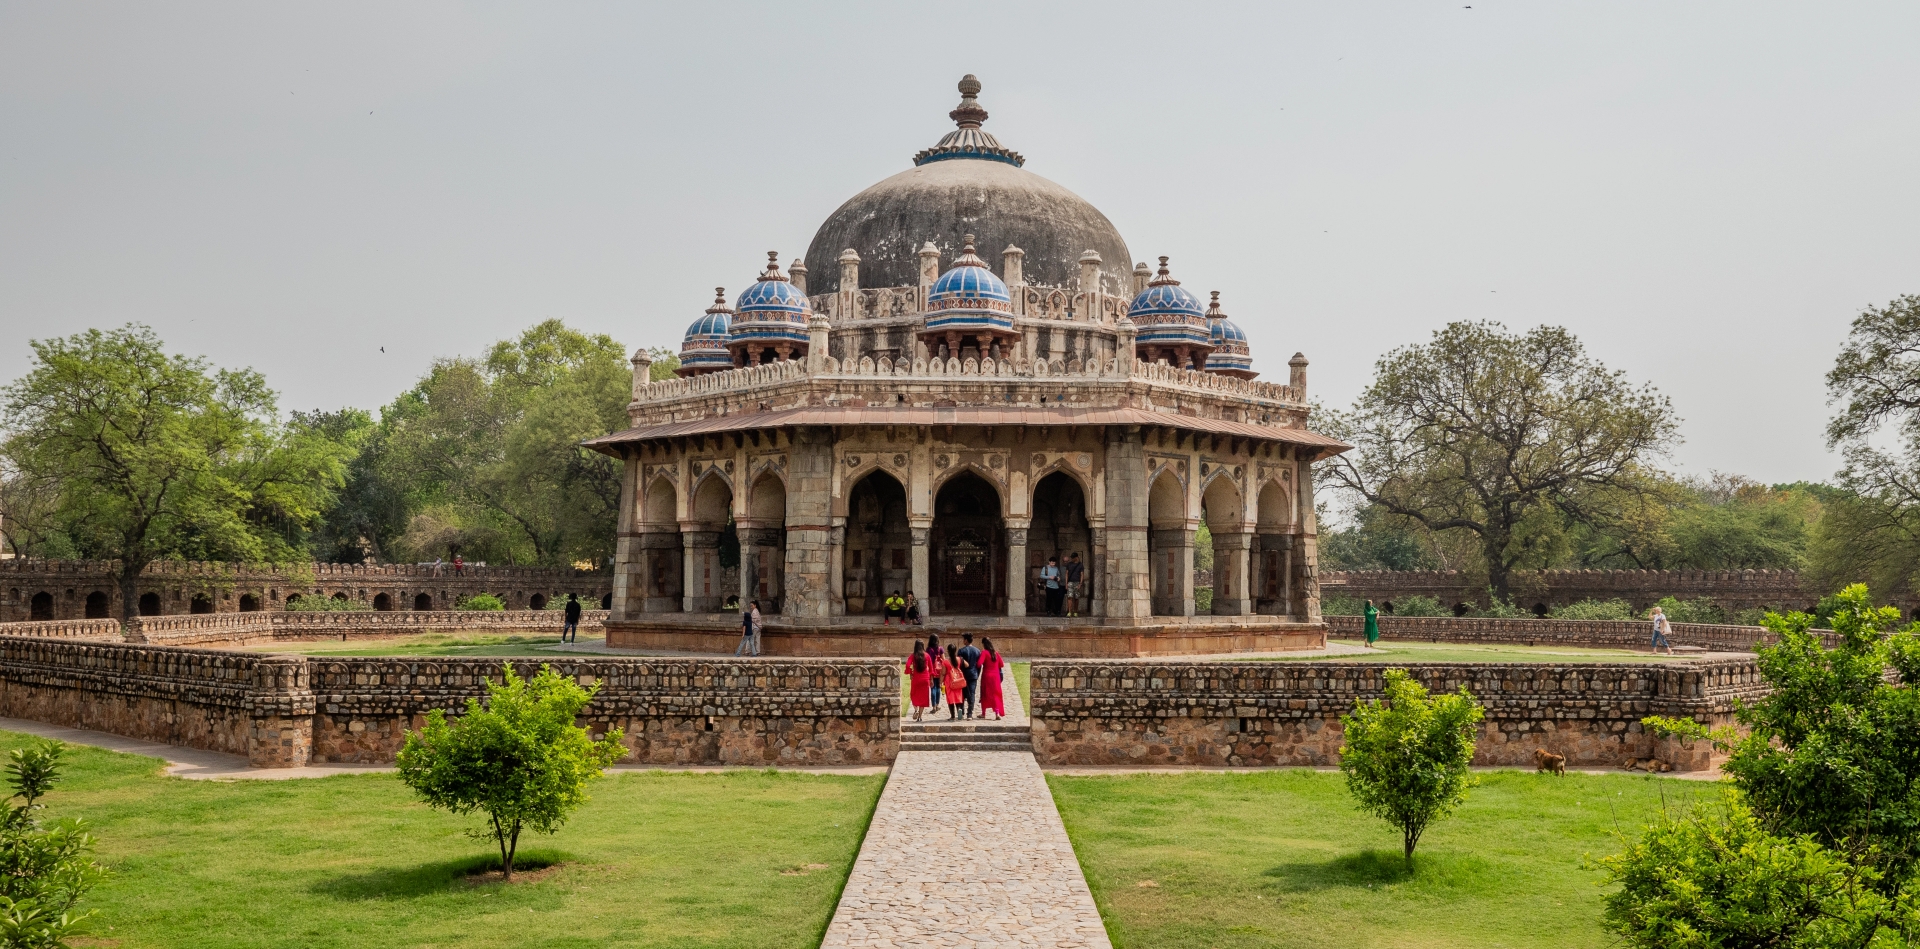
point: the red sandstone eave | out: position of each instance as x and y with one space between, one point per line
964 415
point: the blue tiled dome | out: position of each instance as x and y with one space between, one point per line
1231 354
705 347
771 312
968 298
1168 315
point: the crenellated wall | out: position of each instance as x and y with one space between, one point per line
1588 634
1288 713
1544 589
239 629
288 711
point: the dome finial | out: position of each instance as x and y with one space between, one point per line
968 241
1163 278
719 300
969 115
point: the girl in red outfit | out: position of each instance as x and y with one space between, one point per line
956 683
919 675
992 698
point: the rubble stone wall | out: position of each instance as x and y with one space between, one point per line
1597 634
1288 713
1545 589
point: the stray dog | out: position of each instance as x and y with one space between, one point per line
1544 760
1633 764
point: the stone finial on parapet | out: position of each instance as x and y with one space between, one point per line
929 264
1297 378
642 372
849 269
797 273
1123 352
1090 274
1012 265
818 329
1141 275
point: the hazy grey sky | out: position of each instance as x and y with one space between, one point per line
1705 193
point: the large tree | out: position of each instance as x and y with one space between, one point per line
1872 531
151 455
1506 436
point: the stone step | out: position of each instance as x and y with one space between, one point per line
964 728
970 746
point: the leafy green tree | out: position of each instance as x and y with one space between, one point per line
1499 435
369 512
153 456
1873 532
1406 756
45 870
519 759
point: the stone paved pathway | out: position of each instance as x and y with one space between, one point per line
1010 880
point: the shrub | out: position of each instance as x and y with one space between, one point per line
1497 608
1595 610
1406 756
1203 599
1418 606
44 871
519 759
1702 610
1341 605
319 603
481 601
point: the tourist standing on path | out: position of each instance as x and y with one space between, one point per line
919 677
749 631
571 632
970 667
1076 575
913 609
439 566
1373 625
992 696
896 609
1660 630
956 683
1056 586
458 564
939 660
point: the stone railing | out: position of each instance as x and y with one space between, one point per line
288 711
1288 713
100 629
242 628
1592 634
202 628
1735 589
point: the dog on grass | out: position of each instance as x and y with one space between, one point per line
1544 760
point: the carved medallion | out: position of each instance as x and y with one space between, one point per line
899 461
942 461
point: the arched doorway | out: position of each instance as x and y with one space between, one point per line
968 539
537 602
712 520
383 602
149 604
1170 546
606 602
879 548
249 603
1273 550
761 543
423 602
1226 518
41 607
660 548
1059 530
97 605
201 603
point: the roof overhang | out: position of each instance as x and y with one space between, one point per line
1031 416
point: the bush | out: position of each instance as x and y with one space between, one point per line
1702 610
1406 756
1341 605
1203 599
1497 608
481 601
1418 606
44 871
1595 610
519 759
318 603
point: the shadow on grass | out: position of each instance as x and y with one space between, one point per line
1354 869
431 878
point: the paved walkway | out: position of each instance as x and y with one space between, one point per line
967 850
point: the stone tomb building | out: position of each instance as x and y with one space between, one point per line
892 414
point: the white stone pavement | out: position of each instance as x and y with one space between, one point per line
967 850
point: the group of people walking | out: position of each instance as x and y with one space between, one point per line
968 677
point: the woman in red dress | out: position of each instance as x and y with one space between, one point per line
956 683
919 676
992 698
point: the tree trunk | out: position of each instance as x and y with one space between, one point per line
1493 548
513 847
1409 839
129 593
506 856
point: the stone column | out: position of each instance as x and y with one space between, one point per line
628 574
922 531
1304 572
1126 574
749 564
1017 567
1232 576
660 577
809 524
1172 582
837 571
701 572
281 709
1093 596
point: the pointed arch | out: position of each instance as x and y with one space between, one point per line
767 499
1222 504
659 507
877 557
711 503
1274 507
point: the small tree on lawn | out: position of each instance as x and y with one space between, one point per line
44 870
519 759
1405 756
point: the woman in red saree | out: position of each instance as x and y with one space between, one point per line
992 697
956 683
919 678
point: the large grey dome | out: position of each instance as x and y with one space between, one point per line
965 185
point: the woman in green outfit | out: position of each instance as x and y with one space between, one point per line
1373 624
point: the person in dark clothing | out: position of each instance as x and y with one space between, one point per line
970 667
571 634
933 651
1076 577
1051 579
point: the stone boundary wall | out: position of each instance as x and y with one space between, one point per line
1601 634
289 711
238 629
74 589
1731 589
100 629
1288 713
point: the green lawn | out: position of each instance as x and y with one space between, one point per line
1392 651
1282 858
655 859
432 644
